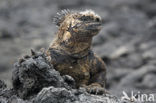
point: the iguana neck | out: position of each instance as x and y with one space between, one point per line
73 46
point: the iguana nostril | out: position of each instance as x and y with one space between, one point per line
97 20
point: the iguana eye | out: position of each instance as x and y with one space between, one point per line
86 18
83 18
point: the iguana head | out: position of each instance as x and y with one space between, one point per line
78 26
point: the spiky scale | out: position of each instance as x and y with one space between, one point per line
59 18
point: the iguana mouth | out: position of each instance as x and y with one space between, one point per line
96 26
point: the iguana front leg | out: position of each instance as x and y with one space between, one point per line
97 76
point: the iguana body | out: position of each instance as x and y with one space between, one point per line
71 53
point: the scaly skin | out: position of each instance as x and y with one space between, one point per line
71 53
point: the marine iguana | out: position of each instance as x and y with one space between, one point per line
71 53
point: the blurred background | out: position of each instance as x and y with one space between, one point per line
127 42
